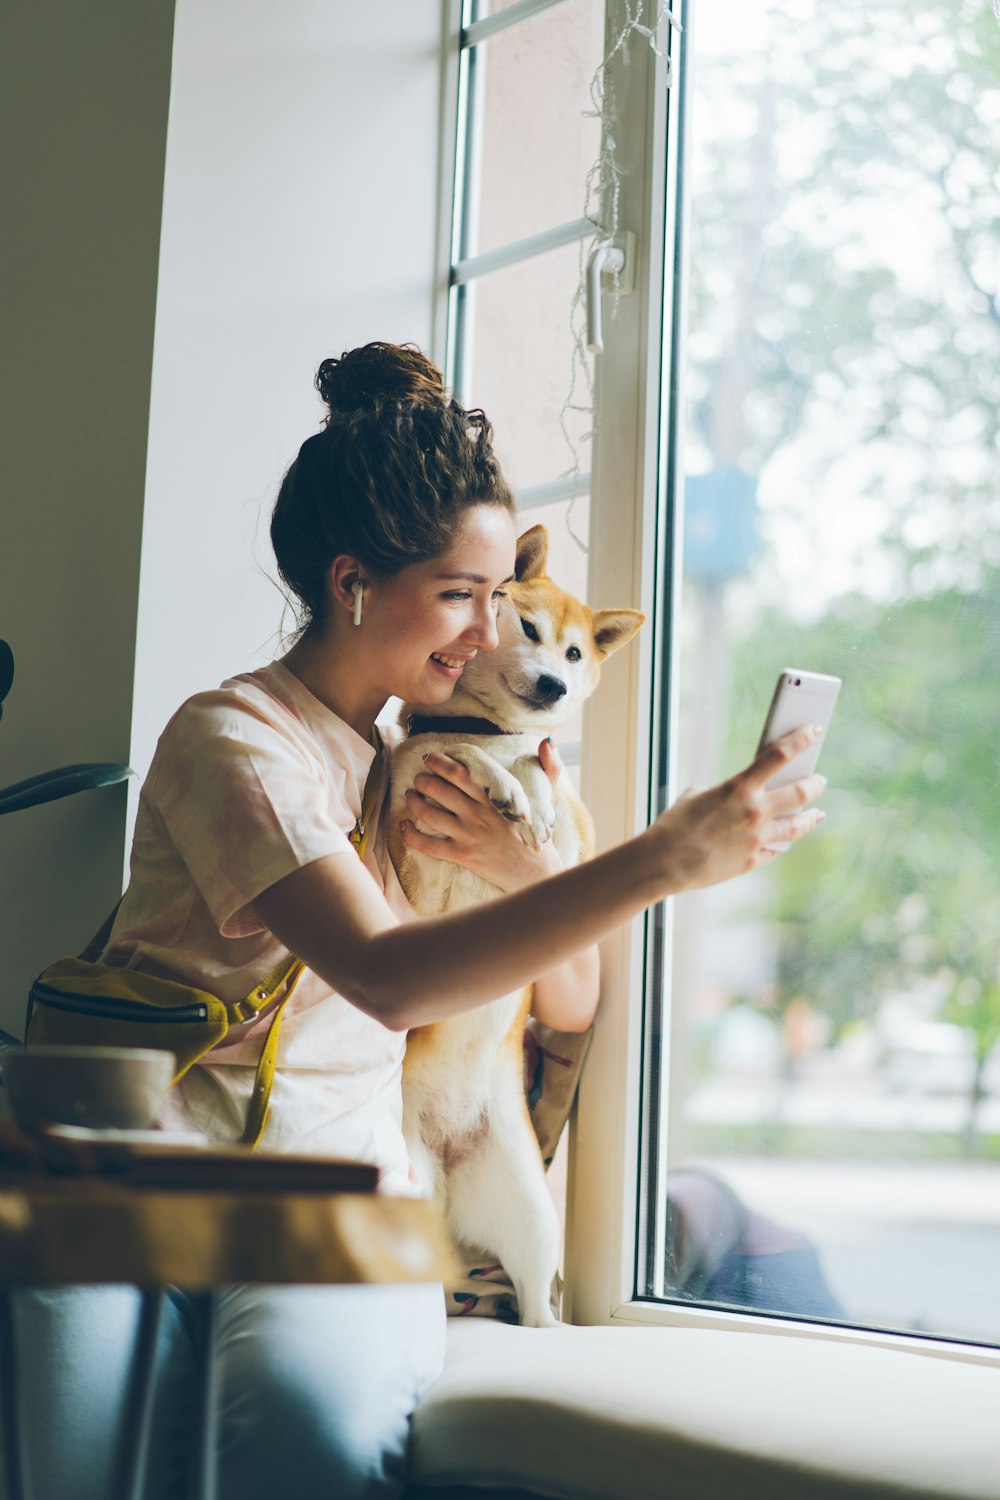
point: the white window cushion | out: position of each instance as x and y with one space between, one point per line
691 1414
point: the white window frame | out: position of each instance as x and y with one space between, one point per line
633 542
631 550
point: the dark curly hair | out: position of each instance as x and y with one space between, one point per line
388 478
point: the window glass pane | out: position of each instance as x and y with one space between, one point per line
568 527
834 1132
537 143
519 365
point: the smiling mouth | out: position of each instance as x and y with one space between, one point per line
453 662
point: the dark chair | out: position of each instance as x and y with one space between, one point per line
62 783
49 787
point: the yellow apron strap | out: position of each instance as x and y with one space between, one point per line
260 1099
262 994
359 833
291 968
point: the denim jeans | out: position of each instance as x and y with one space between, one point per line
316 1389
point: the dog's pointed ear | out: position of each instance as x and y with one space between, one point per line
532 554
615 627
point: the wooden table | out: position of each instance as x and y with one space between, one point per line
126 1224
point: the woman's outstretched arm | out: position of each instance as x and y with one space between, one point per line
333 917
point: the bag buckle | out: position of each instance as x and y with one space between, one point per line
246 1010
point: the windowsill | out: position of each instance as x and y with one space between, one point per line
679 1315
596 1413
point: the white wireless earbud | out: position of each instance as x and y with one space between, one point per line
357 589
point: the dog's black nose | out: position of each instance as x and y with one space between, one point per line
551 689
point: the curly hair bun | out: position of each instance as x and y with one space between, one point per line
365 379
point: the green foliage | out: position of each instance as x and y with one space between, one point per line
902 885
845 316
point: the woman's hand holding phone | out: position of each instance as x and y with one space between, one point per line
710 836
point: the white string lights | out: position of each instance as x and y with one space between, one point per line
602 207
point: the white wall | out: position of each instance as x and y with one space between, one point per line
299 216
298 219
83 122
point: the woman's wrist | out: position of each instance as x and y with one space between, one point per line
656 865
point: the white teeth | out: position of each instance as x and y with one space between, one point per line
448 661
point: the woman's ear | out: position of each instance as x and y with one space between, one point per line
344 572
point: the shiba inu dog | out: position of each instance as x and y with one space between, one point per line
464 1111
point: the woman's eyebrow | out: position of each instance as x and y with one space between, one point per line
469 578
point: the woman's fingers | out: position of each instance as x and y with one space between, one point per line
430 812
435 789
453 773
710 836
791 827
426 843
788 799
551 762
776 756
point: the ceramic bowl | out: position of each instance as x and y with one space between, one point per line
99 1087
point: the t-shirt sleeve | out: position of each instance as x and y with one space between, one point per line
245 801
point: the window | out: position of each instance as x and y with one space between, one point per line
834 1018
526 140
794 464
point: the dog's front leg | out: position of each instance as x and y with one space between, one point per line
504 790
540 794
498 1199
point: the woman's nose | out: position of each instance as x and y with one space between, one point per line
484 629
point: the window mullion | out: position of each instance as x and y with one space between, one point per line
628 555
511 15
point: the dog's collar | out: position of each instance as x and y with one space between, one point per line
418 724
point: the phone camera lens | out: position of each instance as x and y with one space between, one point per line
798 682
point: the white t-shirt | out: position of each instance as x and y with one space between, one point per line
249 783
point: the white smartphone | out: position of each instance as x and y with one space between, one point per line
799 698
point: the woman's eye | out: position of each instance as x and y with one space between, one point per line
574 653
458 594
529 630
498 594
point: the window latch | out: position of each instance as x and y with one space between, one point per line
608 258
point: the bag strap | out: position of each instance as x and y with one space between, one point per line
373 786
98 942
260 1099
290 969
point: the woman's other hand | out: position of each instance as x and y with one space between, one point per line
470 831
710 836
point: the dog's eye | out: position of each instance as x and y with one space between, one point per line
529 630
574 653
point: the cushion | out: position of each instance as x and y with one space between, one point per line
629 1413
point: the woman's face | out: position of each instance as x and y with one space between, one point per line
427 621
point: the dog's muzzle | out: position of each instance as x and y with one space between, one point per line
551 689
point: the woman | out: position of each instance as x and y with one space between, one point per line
394 529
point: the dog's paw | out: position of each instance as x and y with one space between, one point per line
509 798
541 821
538 1316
